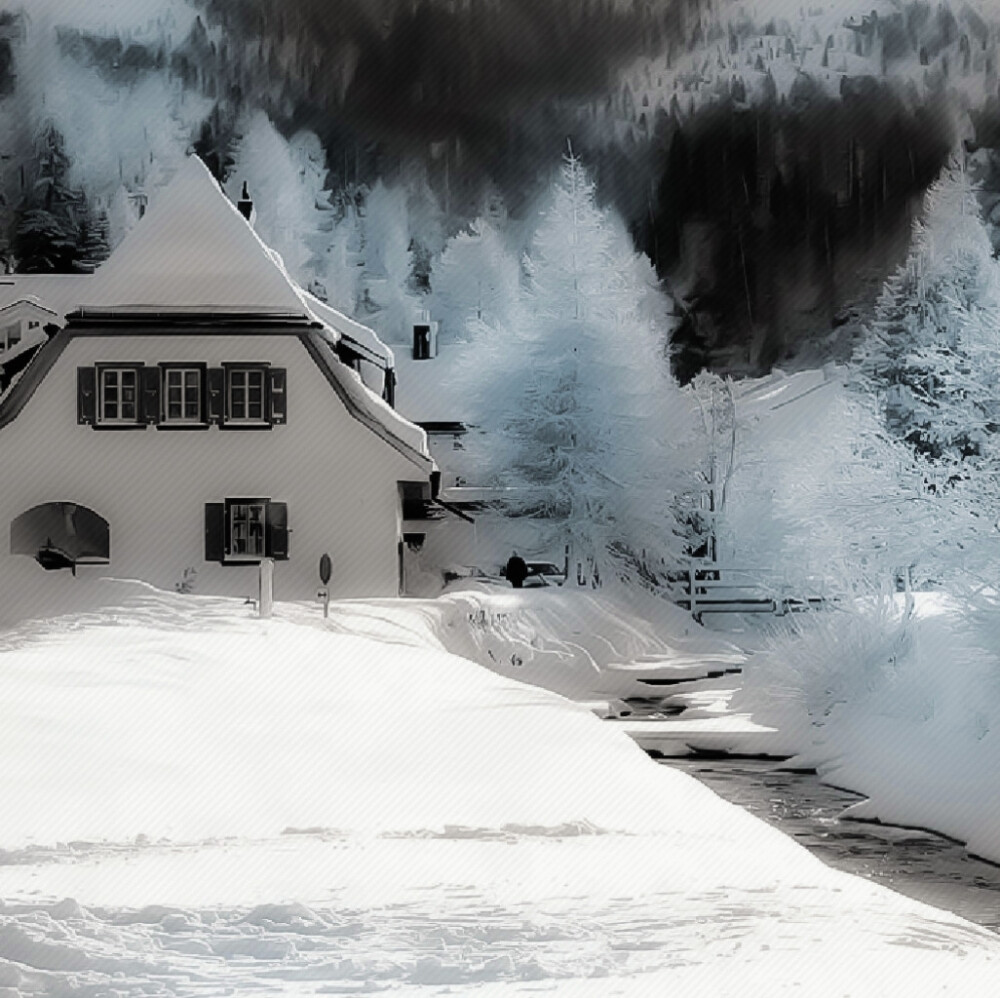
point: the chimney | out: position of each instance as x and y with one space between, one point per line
245 205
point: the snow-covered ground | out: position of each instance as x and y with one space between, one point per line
197 802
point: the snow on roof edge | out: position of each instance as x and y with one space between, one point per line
369 406
346 327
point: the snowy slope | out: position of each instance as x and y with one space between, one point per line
454 830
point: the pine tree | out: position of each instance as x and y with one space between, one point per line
95 238
286 182
389 263
931 350
47 232
475 283
590 405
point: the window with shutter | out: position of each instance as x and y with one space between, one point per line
278 407
246 520
246 395
118 395
184 396
243 531
86 395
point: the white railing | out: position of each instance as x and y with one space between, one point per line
709 587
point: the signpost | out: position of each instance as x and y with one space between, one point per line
325 570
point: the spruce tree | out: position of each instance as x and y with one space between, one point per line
591 410
475 283
47 232
931 351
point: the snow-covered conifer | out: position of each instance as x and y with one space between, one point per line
591 405
389 263
285 180
931 350
475 284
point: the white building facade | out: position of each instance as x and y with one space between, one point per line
194 417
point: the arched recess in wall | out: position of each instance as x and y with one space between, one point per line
61 535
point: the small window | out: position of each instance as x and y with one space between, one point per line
245 395
182 395
246 530
118 395
241 531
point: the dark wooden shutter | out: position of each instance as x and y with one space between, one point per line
215 531
277 390
86 395
216 395
149 379
277 531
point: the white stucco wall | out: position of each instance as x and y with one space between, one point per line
337 476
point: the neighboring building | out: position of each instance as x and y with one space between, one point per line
195 414
25 324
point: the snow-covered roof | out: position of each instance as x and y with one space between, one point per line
192 250
367 407
29 301
360 337
56 293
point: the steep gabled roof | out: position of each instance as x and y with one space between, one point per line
192 251
31 302
59 293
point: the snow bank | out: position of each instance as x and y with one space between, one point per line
582 644
180 717
290 806
907 713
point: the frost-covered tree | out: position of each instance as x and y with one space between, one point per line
821 494
286 180
389 263
931 352
475 284
585 426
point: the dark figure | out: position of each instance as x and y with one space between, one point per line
517 571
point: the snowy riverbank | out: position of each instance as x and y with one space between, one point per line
907 715
297 807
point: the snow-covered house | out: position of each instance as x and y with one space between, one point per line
194 416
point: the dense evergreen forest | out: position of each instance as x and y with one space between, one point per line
770 171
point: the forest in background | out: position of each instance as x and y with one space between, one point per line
769 168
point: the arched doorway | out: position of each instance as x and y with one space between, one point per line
61 535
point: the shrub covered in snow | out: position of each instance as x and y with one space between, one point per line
903 708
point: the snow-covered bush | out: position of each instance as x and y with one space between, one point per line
904 709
